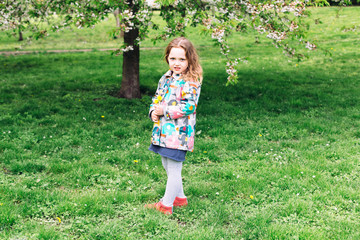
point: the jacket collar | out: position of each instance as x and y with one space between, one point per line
168 73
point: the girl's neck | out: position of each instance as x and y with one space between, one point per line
177 76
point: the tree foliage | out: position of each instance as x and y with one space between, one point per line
280 20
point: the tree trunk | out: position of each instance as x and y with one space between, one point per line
130 85
118 23
20 35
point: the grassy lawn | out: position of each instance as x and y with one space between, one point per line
276 156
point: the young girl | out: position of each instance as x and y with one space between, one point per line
173 111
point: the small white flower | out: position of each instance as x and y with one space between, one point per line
310 46
127 49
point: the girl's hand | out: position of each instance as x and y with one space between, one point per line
154 117
159 110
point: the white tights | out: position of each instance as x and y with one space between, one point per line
174 186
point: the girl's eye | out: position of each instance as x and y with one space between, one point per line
182 59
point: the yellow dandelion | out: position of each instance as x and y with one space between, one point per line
102 116
251 196
297 65
205 151
260 134
136 161
58 219
158 99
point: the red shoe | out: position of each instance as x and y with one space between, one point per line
160 207
180 202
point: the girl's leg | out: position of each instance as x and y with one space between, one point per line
181 193
164 163
174 182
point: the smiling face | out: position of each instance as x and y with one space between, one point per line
177 60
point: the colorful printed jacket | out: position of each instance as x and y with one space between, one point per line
176 129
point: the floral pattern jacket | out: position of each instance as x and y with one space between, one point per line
176 129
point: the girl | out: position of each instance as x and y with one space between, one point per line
174 116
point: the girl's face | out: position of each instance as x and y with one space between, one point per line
177 60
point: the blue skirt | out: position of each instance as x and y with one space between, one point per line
174 154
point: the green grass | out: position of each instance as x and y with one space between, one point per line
276 156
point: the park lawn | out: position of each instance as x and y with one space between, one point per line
276 156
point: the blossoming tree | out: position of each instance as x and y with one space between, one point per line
280 20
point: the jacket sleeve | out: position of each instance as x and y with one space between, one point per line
189 99
157 94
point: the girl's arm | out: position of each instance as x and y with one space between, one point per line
188 103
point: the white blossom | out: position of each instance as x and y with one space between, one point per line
218 34
310 46
277 36
127 48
